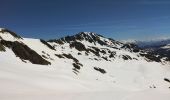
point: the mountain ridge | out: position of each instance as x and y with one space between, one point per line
80 63
90 43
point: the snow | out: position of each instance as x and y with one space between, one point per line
166 47
7 36
35 82
1 29
124 80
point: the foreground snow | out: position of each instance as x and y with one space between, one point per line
25 81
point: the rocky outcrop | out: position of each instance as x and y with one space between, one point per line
2 48
24 52
78 45
100 70
48 45
167 80
132 47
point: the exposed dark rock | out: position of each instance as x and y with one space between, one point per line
132 47
135 58
24 52
109 51
90 37
95 59
12 33
101 42
100 70
2 48
167 80
105 58
59 55
162 53
86 53
68 39
43 52
94 52
48 45
155 52
96 49
48 54
44 56
151 57
115 48
78 45
104 52
112 54
126 57
69 56
153 86
79 53
76 66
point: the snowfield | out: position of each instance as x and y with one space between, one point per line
135 79
23 81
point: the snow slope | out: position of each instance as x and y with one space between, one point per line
124 79
21 81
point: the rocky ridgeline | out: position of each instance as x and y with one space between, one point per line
105 51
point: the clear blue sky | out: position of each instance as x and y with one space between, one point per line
118 19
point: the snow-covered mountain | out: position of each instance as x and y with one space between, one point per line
80 67
154 47
157 47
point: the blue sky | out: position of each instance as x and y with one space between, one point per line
118 19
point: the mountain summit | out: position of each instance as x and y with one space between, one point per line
89 37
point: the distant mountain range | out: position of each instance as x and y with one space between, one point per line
158 47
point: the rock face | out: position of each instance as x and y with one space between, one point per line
24 52
48 45
100 70
85 36
2 48
78 45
